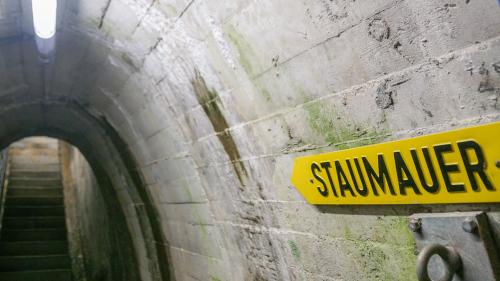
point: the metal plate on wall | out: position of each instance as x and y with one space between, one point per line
469 234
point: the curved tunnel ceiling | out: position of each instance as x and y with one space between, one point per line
217 97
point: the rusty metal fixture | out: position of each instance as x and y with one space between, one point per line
469 225
415 224
449 255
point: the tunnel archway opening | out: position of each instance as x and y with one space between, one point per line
112 163
53 184
77 225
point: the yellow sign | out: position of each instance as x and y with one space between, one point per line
461 166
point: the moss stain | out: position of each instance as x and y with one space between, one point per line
208 100
336 130
168 10
405 264
246 54
373 259
185 186
266 94
295 249
247 58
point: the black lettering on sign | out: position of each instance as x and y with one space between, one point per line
354 181
364 191
327 166
447 168
343 182
478 167
435 183
314 169
381 177
405 179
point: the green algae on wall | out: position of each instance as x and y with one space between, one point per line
337 129
404 264
265 94
167 9
389 253
245 51
295 249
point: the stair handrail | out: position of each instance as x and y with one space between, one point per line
4 179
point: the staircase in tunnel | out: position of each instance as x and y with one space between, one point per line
33 239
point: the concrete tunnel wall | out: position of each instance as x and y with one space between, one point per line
210 102
100 243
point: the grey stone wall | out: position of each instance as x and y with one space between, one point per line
214 99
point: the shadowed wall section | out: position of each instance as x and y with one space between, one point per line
117 179
97 227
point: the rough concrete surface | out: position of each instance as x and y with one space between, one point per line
195 109
99 245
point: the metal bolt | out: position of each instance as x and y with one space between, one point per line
497 163
415 224
469 225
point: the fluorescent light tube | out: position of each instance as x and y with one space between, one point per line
44 17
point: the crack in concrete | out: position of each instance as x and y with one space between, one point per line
104 12
337 35
144 15
185 9
152 48
461 53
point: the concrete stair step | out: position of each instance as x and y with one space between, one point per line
42 165
48 234
35 167
34 191
35 186
29 159
36 155
42 262
41 275
35 174
30 211
34 181
40 201
15 161
40 157
34 223
33 248
33 237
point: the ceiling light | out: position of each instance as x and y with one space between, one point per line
44 17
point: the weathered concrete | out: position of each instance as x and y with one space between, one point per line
3 171
212 100
101 247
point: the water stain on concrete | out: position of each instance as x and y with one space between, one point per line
208 100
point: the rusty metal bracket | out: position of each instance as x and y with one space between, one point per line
455 247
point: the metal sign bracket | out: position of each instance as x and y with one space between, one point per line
455 247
